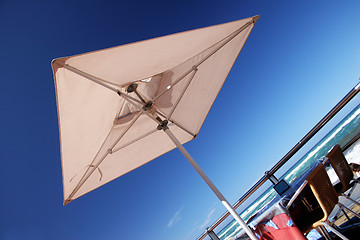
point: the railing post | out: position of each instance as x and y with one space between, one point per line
271 177
212 235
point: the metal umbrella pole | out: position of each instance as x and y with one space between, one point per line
223 200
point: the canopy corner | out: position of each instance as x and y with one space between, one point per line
255 18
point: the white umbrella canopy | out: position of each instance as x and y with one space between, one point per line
113 102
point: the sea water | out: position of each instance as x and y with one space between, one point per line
342 133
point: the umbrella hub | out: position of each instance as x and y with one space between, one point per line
132 87
163 125
148 106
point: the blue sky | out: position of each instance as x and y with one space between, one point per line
301 58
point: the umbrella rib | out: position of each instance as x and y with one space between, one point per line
147 134
176 82
93 167
87 167
135 140
235 33
183 92
120 93
182 127
97 80
174 122
230 37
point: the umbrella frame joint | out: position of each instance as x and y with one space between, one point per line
133 88
147 106
163 125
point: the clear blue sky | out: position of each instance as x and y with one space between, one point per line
301 58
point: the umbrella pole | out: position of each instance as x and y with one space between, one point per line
209 182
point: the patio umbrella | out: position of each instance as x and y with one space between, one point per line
122 107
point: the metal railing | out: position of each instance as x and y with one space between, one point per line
286 158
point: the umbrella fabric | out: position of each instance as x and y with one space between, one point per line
104 135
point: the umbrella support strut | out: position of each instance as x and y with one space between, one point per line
209 182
